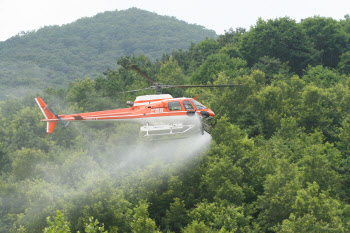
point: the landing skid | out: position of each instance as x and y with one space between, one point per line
167 132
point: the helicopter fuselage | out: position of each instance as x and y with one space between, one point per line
150 110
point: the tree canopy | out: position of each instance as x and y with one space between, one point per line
276 159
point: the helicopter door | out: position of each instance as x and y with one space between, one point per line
189 108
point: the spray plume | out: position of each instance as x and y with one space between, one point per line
125 162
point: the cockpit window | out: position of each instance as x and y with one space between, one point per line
187 104
174 106
198 105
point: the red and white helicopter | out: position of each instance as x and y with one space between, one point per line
158 115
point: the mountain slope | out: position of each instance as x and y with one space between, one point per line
55 55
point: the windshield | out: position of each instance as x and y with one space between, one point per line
198 105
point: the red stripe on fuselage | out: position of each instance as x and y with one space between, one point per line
119 116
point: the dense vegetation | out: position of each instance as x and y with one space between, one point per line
278 160
56 55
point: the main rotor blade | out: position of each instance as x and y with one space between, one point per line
189 86
143 74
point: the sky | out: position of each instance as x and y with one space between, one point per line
219 15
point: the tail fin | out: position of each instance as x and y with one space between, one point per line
48 115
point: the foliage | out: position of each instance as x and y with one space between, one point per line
328 38
141 221
314 212
217 63
277 159
60 225
93 227
271 67
55 55
281 38
221 216
321 76
344 63
176 218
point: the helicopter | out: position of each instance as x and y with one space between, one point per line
158 114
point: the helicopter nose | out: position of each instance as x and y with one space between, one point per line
211 113
208 113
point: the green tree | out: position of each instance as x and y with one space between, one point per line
59 225
176 217
328 38
170 73
344 63
93 226
232 101
271 66
321 76
315 110
26 163
219 215
231 36
81 93
206 48
24 129
266 105
281 38
280 190
217 63
315 211
141 222
197 227
4 158
222 180
232 50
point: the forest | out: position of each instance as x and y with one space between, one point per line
276 158
53 56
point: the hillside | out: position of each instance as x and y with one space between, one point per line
277 158
56 55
